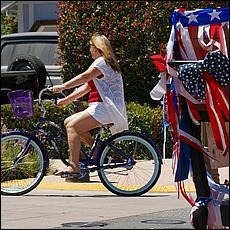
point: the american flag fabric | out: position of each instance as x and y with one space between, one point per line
215 63
200 37
203 35
200 31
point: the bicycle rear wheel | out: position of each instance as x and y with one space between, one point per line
23 163
130 164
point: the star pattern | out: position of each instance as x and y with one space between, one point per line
214 15
192 18
201 17
215 63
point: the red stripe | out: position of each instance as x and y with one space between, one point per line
222 104
223 128
180 42
214 93
183 192
194 112
199 51
173 116
219 101
215 33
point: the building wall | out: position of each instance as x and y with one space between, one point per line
30 12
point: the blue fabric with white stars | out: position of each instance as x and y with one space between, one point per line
215 63
200 17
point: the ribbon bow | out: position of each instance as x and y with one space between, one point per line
191 75
159 61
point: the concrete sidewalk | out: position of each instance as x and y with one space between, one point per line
165 182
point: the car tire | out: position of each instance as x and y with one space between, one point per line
29 62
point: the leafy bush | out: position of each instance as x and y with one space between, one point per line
8 24
142 118
53 113
135 28
148 120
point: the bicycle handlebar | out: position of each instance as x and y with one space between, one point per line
40 94
54 99
40 101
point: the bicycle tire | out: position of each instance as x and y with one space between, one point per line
22 177
121 176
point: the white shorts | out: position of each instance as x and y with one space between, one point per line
99 112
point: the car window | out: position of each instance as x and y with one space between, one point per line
46 52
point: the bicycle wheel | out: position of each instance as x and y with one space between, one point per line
23 163
130 164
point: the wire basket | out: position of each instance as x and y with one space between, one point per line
22 103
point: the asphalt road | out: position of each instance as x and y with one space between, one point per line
63 209
56 204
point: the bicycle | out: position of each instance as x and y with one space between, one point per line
127 163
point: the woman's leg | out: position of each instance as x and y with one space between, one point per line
78 124
84 137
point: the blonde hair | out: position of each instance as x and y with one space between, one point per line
102 43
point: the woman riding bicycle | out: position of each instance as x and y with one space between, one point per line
103 81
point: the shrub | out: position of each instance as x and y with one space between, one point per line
142 118
135 28
8 24
148 120
53 112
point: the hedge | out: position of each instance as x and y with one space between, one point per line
135 28
141 118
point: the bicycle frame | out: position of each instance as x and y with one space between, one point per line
87 161
51 138
113 157
39 132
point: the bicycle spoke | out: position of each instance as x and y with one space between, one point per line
139 166
22 164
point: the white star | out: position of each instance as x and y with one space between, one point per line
214 15
192 18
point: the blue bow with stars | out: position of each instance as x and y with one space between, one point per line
215 63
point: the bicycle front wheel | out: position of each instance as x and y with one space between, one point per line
130 164
23 164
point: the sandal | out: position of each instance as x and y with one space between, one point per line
69 174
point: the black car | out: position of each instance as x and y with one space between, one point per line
29 61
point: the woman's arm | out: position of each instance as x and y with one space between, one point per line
80 79
77 93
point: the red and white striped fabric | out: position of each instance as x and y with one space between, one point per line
196 33
200 31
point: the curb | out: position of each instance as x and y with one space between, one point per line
100 187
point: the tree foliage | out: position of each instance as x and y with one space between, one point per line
8 24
